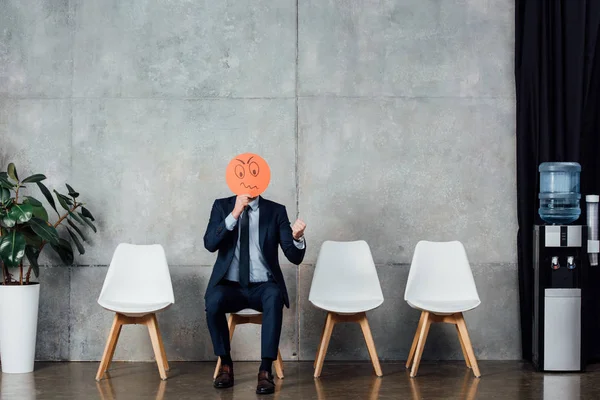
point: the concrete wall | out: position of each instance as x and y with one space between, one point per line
390 121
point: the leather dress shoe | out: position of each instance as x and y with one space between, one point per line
265 383
224 378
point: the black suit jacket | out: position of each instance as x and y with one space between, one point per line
274 229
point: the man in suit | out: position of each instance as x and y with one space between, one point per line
246 232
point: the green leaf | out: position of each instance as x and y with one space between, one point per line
31 237
38 209
12 172
21 213
80 247
64 250
12 248
4 195
5 183
41 213
34 178
63 200
87 221
76 218
8 221
33 255
72 191
47 195
86 213
33 201
43 230
77 229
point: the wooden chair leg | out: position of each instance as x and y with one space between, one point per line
122 321
421 344
111 344
162 347
464 333
411 353
231 324
279 365
329 324
364 324
320 340
462 346
163 353
157 344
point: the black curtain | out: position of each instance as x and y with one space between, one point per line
557 76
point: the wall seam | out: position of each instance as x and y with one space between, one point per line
296 149
305 96
69 320
73 12
296 122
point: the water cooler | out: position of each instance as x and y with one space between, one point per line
563 254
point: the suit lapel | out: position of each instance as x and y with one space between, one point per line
263 221
230 207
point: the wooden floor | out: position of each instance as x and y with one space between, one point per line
441 380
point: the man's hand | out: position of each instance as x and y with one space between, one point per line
241 202
298 229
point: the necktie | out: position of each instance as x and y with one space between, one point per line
245 248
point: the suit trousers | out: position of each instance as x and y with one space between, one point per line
228 297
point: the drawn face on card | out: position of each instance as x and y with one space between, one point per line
248 174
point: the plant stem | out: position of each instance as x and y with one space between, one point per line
61 219
20 273
17 193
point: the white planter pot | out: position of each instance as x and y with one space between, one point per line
18 327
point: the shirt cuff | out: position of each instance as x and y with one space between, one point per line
230 222
300 243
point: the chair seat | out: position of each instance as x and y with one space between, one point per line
248 312
444 306
347 306
134 309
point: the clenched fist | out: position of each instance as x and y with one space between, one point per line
241 202
298 229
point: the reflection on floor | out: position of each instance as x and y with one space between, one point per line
441 380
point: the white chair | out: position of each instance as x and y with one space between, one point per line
248 316
441 285
346 285
136 287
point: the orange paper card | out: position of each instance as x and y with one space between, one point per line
248 174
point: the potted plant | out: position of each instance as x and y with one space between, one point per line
25 230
